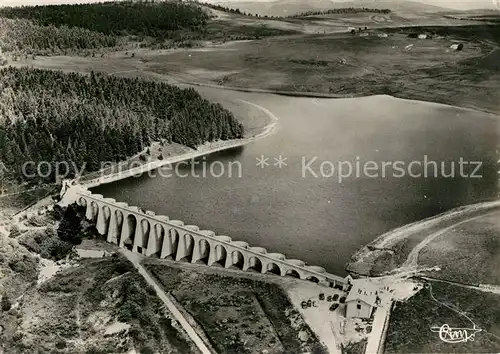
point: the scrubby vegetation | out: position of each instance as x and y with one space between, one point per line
52 242
468 254
76 311
440 303
18 267
355 347
250 317
88 119
46 243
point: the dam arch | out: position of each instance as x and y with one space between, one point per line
292 273
203 252
273 268
236 259
219 256
254 264
128 231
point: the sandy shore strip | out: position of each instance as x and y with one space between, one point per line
202 150
391 238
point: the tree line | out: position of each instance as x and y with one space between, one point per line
232 10
53 116
20 35
345 10
93 29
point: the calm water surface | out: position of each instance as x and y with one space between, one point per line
320 220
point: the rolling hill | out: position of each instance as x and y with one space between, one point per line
290 7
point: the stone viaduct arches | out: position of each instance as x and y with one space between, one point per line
156 235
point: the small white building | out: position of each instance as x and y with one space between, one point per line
422 36
361 300
457 47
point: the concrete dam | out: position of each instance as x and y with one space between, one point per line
149 234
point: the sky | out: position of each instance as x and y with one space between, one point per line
453 4
465 4
44 2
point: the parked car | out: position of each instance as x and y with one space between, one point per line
335 297
342 299
329 298
321 296
334 307
303 304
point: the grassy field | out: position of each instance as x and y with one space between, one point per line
315 63
465 248
239 315
101 306
410 324
354 65
468 254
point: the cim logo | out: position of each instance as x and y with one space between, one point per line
456 335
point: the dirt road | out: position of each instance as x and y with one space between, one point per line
135 260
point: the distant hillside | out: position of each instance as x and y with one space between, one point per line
117 17
291 7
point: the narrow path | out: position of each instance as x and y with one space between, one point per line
485 288
135 260
461 313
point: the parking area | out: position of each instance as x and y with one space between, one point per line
323 309
325 299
